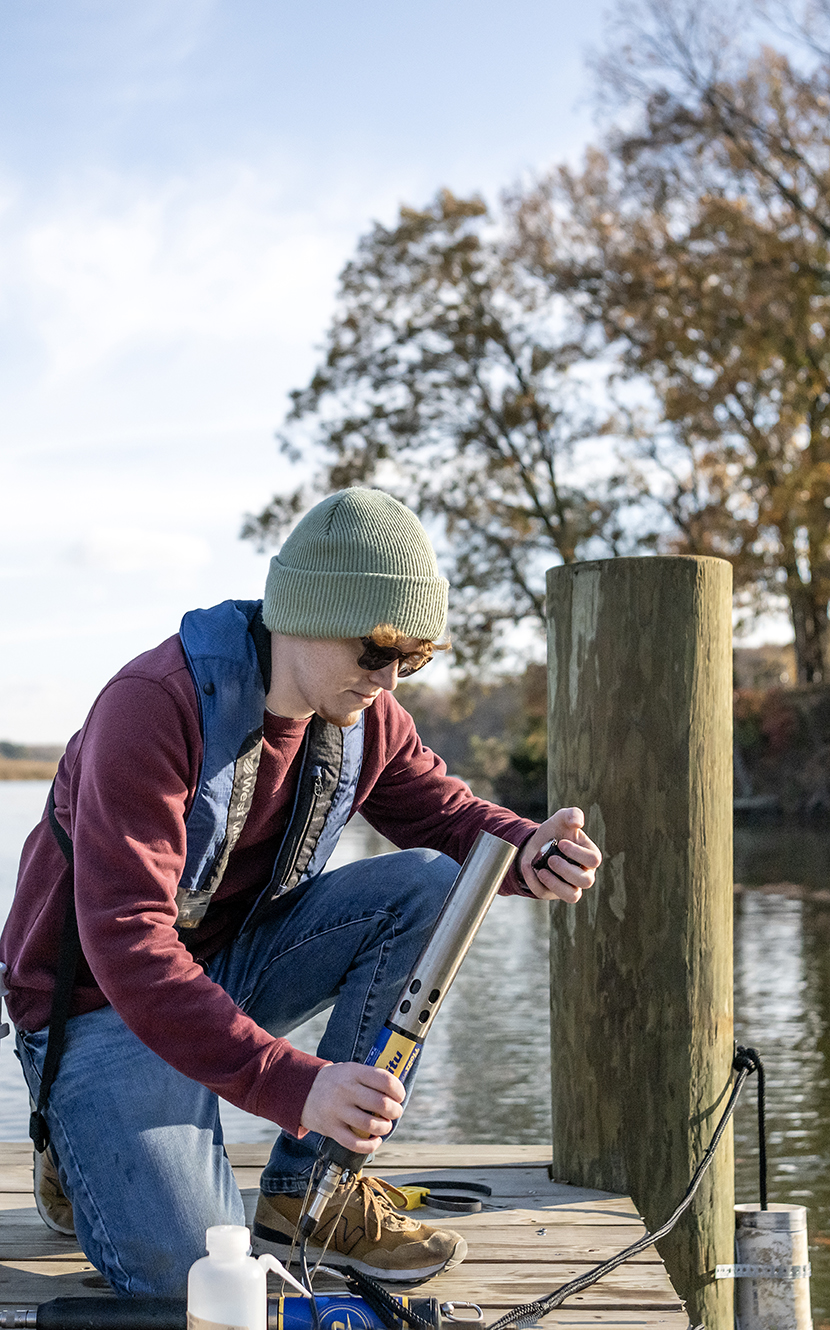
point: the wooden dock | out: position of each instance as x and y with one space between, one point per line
532 1236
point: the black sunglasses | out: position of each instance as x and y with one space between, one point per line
376 657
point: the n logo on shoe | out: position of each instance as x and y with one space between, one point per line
349 1237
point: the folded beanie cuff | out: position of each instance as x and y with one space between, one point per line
330 604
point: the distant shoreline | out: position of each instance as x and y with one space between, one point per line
26 768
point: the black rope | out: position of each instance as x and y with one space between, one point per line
758 1067
745 1062
762 1138
390 1310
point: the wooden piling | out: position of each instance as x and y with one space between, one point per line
640 736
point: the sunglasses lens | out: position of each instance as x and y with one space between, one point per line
375 657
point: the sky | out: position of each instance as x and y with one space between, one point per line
180 184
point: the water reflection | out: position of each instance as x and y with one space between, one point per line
484 1074
782 1006
778 852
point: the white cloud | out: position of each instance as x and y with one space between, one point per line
116 262
134 309
131 550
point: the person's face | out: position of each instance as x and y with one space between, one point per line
323 676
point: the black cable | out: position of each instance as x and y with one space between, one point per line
390 1310
762 1138
762 1134
750 1058
745 1061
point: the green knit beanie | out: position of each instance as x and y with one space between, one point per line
356 560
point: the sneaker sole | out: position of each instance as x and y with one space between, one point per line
42 1208
40 1204
265 1239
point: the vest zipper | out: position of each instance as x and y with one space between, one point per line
318 790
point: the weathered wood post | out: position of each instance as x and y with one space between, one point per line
640 736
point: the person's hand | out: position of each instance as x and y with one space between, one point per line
354 1104
562 881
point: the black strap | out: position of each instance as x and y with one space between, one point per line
480 1188
459 1205
68 958
462 1205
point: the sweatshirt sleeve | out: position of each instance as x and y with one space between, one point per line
128 797
406 795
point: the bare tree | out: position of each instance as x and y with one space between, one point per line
699 245
449 379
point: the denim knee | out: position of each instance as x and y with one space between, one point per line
425 878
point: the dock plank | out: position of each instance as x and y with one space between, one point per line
419 1155
22 1233
533 1235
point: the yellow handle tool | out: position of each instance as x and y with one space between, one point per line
412 1197
414 1194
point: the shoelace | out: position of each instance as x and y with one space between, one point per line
376 1206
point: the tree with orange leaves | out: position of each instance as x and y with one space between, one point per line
699 243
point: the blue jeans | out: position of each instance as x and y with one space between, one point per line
139 1146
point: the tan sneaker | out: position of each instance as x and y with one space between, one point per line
371 1235
53 1206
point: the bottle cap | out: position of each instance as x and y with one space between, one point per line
228 1240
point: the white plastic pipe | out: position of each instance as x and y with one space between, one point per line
772 1284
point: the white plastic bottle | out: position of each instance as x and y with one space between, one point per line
226 1290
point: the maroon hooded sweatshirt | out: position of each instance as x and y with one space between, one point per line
123 790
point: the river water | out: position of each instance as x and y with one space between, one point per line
485 1069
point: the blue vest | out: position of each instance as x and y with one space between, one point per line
227 649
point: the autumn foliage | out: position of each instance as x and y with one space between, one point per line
630 356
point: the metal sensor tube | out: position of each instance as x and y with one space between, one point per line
462 915
399 1043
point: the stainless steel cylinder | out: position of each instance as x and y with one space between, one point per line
469 900
772 1268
